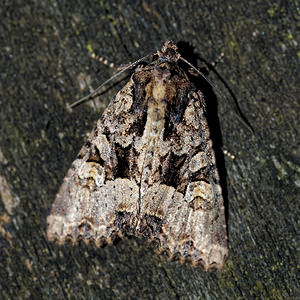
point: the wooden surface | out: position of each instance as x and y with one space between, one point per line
46 63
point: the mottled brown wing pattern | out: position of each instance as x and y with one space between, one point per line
91 200
148 169
187 215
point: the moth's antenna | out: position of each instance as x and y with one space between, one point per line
238 112
199 72
96 92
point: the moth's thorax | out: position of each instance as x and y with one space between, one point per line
159 91
164 80
161 85
166 83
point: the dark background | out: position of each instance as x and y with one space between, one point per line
46 63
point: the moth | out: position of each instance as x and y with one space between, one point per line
148 169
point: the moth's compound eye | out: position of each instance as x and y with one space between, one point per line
155 57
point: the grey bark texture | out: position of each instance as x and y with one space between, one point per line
46 62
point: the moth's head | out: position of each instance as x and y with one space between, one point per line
167 52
